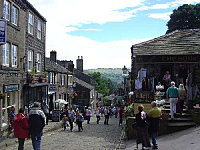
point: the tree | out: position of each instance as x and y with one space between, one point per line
185 17
102 85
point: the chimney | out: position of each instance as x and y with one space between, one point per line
53 56
79 64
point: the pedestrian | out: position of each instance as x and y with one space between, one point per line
182 97
172 95
97 112
80 121
142 131
167 79
106 114
71 115
88 115
45 109
21 128
121 113
36 122
11 117
64 121
154 126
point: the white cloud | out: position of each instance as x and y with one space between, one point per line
163 16
70 29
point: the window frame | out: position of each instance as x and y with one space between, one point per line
39 61
39 29
30 23
5 54
14 50
6 11
15 15
51 78
30 59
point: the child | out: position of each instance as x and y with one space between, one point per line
64 121
80 120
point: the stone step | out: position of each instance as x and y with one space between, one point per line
168 110
181 124
180 120
168 107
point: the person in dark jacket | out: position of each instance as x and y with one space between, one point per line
21 128
142 132
36 122
154 126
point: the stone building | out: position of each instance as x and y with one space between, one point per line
34 57
23 53
12 54
60 80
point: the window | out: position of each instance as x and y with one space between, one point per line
38 62
5 54
14 55
61 96
30 23
6 12
70 80
51 78
30 60
39 29
62 79
14 15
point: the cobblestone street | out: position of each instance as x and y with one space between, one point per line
94 137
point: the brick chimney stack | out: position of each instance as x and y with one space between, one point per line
79 63
53 56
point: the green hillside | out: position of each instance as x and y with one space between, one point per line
115 74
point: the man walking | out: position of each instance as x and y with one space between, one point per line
36 122
121 113
11 116
106 113
154 126
172 95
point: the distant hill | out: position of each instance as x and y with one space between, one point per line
115 74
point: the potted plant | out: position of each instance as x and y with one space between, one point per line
43 77
32 76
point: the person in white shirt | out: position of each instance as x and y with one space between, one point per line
98 115
88 115
71 115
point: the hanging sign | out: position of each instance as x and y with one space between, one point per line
11 87
2 31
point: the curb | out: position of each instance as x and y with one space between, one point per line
13 141
122 142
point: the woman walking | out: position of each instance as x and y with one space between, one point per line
142 132
97 112
182 95
21 128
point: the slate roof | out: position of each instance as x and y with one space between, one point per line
51 66
179 42
83 83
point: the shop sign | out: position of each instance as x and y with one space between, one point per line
56 115
144 97
53 88
10 88
147 107
168 58
2 31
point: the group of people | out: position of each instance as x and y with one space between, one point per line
108 112
175 95
28 125
143 131
70 116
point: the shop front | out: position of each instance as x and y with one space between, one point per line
10 97
173 55
36 92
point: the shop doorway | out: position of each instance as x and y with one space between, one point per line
164 68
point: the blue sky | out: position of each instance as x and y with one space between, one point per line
102 31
